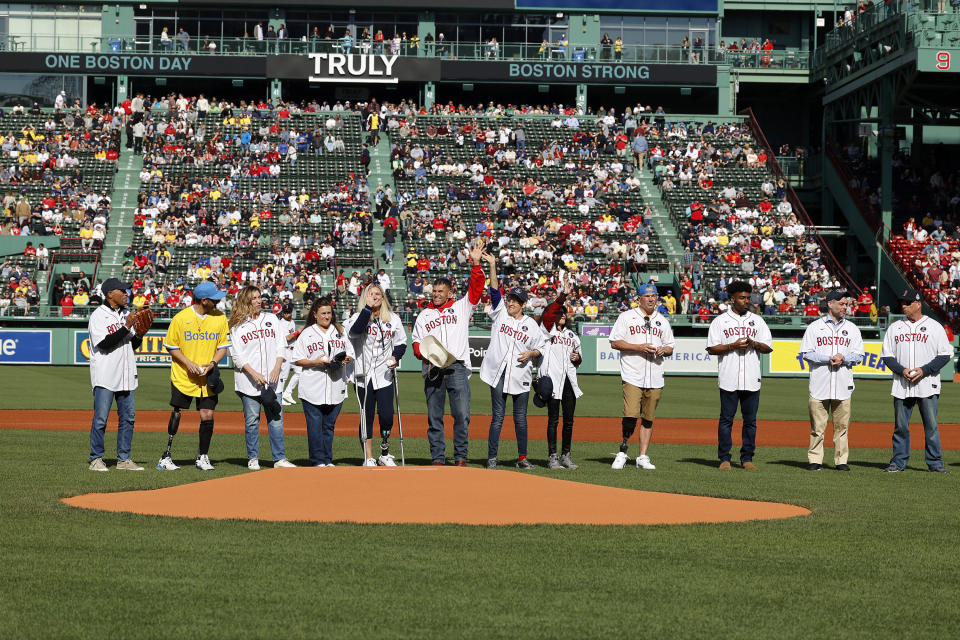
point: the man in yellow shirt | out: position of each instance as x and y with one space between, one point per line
671 302
197 339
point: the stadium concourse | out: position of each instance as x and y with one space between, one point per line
301 200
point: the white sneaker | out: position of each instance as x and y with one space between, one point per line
253 464
387 461
203 463
370 462
97 464
286 402
330 464
166 464
643 462
620 460
283 463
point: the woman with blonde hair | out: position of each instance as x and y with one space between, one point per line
258 347
322 352
379 342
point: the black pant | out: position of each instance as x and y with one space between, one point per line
569 402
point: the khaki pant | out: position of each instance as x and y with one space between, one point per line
820 411
640 403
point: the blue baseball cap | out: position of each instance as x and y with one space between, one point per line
647 288
207 290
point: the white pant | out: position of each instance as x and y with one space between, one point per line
294 379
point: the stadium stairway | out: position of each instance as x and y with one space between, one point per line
667 233
126 188
380 175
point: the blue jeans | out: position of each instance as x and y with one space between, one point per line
251 420
320 421
456 384
381 401
903 409
749 401
102 401
388 250
498 400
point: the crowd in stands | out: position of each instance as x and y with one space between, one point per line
20 294
49 165
925 238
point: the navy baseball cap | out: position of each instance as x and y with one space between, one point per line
111 284
519 294
207 290
647 288
836 294
910 296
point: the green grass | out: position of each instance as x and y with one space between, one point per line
873 560
46 387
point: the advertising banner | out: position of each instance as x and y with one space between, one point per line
150 354
597 330
26 346
786 359
478 349
689 356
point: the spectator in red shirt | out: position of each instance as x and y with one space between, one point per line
811 310
864 302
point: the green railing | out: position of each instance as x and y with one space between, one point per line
508 51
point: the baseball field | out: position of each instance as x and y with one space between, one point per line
875 556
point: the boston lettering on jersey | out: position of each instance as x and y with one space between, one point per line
438 321
636 330
911 337
565 340
829 341
321 346
516 334
200 335
740 332
113 328
258 334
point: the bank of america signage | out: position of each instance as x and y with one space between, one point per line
339 67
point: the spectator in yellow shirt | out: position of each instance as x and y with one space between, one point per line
671 302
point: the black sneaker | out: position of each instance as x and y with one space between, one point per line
893 469
813 466
525 464
492 463
843 467
938 470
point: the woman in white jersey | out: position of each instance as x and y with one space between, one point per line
321 351
258 349
378 341
561 357
515 340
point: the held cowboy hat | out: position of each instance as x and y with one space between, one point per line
435 353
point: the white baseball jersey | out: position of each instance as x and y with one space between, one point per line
914 344
509 337
640 369
318 385
556 364
823 339
739 370
374 346
114 370
257 342
288 327
450 324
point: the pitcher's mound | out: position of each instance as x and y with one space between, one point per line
426 495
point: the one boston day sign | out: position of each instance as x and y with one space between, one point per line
133 64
